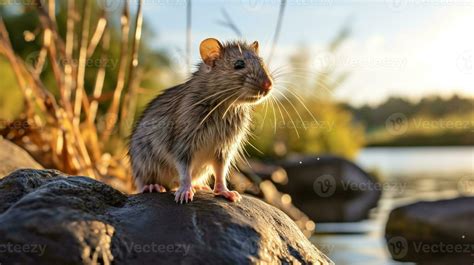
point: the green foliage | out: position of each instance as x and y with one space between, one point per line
302 118
435 107
431 121
331 131
11 98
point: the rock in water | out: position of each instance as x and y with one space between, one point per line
47 218
435 233
330 189
13 157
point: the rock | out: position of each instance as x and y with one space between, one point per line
47 218
435 232
13 157
266 191
327 188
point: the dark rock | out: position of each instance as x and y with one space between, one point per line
13 157
436 232
329 188
46 218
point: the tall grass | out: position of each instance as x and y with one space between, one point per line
67 131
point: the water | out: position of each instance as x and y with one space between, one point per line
436 161
411 174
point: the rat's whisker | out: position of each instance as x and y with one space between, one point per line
302 103
264 115
230 105
213 95
279 109
294 75
254 147
293 106
213 109
323 85
289 116
274 117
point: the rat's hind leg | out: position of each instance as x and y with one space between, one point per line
153 187
220 186
185 191
155 179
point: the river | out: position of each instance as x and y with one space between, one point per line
412 174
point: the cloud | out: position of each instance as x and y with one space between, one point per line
435 57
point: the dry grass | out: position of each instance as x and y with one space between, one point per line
62 132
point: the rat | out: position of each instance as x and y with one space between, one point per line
196 130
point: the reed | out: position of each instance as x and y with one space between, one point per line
67 131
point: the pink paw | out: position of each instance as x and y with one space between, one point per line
231 195
184 193
153 187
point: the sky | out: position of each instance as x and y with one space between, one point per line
409 48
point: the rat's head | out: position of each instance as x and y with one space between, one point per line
235 70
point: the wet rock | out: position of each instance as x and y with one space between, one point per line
13 157
49 218
435 232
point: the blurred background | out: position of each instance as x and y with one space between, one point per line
373 106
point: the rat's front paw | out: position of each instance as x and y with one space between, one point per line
231 195
184 193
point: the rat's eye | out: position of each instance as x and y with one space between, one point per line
239 64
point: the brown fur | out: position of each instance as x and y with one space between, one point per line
169 137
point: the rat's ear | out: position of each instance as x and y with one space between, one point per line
210 50
254 46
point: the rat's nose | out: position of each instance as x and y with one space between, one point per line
267 84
